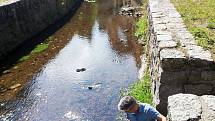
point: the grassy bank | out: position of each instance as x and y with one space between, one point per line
38 49
141 89
199 17
142 28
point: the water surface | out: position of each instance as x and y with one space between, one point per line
102 42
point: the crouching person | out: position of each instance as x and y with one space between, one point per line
139 111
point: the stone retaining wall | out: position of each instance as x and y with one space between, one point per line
189 107
22 19
177 63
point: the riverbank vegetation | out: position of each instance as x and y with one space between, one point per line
38 49
199 17
141 89
142 28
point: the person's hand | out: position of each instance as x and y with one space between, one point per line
161 118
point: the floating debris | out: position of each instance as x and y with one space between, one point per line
6 72
15 86
71 116
90 1
81 70
90 87
126 30
94 86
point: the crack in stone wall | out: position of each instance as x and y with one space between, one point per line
23 19
178 64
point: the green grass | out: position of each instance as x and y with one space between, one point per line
142 27
141 90
40 48
199 17
24 58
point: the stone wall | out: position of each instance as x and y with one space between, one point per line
22 19
189 107
177 63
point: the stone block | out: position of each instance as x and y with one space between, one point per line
208 107
172 59
165 91
157 15
166 44
194 76
200 89
173 78
199 54
164 38
163 33
160 27
201 63
184 107
171 53
208 75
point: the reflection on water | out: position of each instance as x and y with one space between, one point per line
103 43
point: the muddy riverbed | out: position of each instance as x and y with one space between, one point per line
79 76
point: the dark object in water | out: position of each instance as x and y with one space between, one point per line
81 70
90 88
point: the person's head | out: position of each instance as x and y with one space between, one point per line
128 104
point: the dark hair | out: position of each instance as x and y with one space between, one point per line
126 102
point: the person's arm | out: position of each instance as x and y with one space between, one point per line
161 118
130 117
154 114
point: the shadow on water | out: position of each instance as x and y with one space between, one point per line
102 42
30 44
